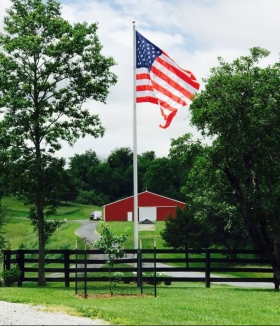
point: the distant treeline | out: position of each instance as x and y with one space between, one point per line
95 181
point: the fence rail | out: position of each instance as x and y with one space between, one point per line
73 265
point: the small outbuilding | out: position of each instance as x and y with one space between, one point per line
151 207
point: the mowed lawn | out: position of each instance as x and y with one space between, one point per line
178 304
187 304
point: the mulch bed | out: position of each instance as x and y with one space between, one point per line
111 296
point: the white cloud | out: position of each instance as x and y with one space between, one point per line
193 33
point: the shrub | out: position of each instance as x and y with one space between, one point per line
11 276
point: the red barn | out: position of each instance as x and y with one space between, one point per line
150 206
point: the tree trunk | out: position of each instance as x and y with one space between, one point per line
187 257
276 267
41 238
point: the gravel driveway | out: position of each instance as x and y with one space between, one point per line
24 314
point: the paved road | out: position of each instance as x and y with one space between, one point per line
87 230
202 275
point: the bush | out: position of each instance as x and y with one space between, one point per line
159 277
11 276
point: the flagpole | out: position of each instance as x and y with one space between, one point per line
135 178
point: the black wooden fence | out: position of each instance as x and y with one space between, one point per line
139 265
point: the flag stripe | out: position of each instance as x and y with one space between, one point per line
166 92
177 85
183 74
173 76
142 76
147 98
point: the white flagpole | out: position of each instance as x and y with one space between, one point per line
135 178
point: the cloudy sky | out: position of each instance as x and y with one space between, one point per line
192 32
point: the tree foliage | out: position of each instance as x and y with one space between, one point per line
48 69
239 108
184 231
208 190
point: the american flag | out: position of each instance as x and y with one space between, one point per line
161 81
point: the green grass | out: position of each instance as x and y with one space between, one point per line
20 233
147 237
70 211
176 305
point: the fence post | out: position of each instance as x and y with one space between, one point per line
155 269
276 283
20 262
85 273
7 259
207 268
139 269
66 268
76 259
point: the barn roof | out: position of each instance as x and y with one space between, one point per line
144 193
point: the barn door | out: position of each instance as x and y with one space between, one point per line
149 213
129 216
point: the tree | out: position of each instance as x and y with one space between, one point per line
4 244
239 108
48 69
121 163
144 161
161 177
184 231
209 191
81 166
111 243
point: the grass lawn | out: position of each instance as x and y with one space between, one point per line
20 234
186 304
70 211
147 237
178 304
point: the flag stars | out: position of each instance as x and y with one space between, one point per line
146 52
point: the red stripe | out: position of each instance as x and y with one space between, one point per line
168 93
143 88
179 72
142 76
172 83
166 105
169 119
150 99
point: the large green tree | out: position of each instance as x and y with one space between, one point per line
239 108
48 69
80 167
162 178
210 192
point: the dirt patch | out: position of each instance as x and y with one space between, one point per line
111 296
146 227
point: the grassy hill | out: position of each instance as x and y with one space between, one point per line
19 231
17 208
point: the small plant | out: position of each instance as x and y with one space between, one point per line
117 277
159 279
111 244
11 276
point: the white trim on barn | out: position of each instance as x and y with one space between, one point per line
140 193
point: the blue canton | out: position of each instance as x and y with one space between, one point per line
146 52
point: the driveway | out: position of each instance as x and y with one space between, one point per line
87 230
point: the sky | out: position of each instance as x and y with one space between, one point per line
194 33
